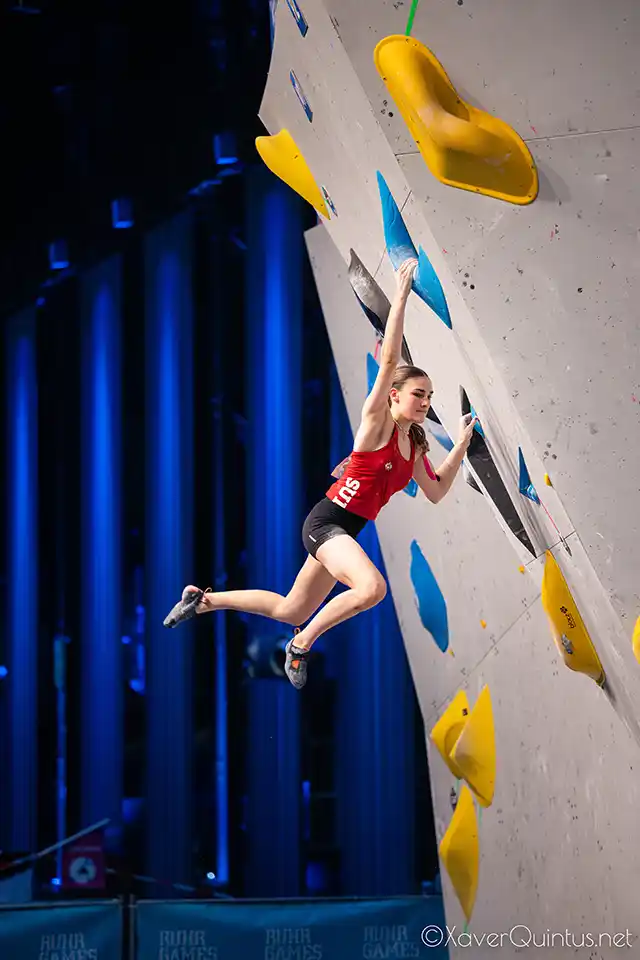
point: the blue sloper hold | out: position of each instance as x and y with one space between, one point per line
411 488
467 407
372 372
396 236
429 598
430 288
527 489
478 425
400 247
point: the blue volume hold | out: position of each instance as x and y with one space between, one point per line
430 601
400 247
430 288
396 236
527 489
372 372
411 488
478 426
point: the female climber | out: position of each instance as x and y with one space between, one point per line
389 449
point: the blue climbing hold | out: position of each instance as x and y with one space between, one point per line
400 247
411 488
478 425
396 236
527 489
372 372
430 289
430 601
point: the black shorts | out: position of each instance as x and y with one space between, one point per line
328 520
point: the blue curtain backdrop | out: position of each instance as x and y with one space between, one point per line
274 546
169 559
101 587
375 741
18 792
220 706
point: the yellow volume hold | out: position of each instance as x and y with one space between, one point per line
636 640
449 727
281 155
567 626
462 146
474 752
460 851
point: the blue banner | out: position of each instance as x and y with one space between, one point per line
392 929
62 931
17 889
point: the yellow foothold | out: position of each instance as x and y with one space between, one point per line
636 640
449 727
460 852
547 480
568 629
474 753
483 624
451 653
521 569
462 146
281 155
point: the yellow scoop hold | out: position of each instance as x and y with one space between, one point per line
567 626
462 146
466 742
281 155
474 752
460 852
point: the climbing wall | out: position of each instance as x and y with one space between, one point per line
512 179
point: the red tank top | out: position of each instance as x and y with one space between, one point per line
371 477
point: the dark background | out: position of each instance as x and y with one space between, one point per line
114 99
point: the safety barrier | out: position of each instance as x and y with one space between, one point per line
319 929
80 930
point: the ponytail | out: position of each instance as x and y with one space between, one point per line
419 438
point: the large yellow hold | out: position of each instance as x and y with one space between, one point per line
282 156
474 752
567 626
466 742
636 640
460 852
462 146
449 727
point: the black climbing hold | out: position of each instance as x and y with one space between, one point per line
482 462
373 300
472 483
